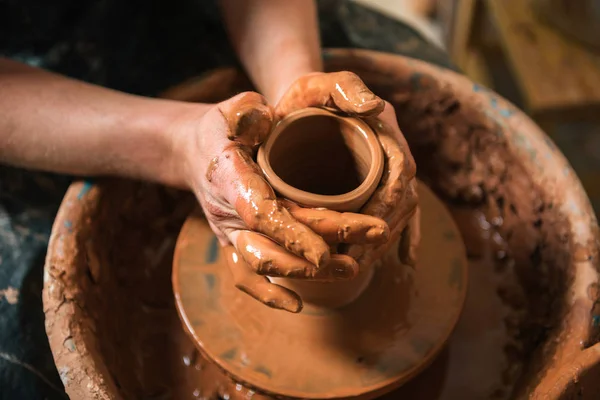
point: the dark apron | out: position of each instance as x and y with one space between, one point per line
139 47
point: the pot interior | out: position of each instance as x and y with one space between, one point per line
320 154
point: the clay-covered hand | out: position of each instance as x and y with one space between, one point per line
343 91
243 211
395 201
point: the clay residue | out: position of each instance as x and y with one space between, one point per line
237 181
500 210
10 294
343 90
266 258
249 119
517 239
395 200
259 208
212 166
260 287
335 227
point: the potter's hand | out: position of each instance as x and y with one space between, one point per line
271 237
343 91
395 201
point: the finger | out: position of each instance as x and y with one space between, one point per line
342 90
335 227
221 237
351 95
399 172
399 218
248 117
265 257
259 287
256 204
387 121
396 199
411 237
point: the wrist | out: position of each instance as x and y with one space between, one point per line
297 66
162 128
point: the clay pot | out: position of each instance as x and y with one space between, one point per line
308 156
530 324
307 159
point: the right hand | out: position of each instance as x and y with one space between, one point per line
396 199
269 236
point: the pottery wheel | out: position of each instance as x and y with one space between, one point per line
383 339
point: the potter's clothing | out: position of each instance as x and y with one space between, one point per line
135 46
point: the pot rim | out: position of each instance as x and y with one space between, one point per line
340 202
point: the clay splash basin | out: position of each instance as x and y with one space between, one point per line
530 324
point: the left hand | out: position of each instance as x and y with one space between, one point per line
395 200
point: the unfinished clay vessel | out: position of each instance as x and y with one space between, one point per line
529 328
318 158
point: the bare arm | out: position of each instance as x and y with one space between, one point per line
276 40
57 124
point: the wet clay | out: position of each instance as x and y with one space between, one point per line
396 199
527 329
249 119
314 157
368 347
328 90
321 159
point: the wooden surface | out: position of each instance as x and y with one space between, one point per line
557 75
459 29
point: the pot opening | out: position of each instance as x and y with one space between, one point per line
321 155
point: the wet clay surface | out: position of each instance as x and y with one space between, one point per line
156 359
315 157
529 230
380 340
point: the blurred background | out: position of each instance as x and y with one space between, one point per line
543 55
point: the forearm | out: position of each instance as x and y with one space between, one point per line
53 123
277 41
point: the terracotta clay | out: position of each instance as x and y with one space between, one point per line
529 327
340 173
369 347
320 159
242 208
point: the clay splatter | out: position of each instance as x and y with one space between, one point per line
10 294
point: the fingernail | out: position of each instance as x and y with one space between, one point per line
345 272
320 259
293 306
367 95
378 234
375 106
